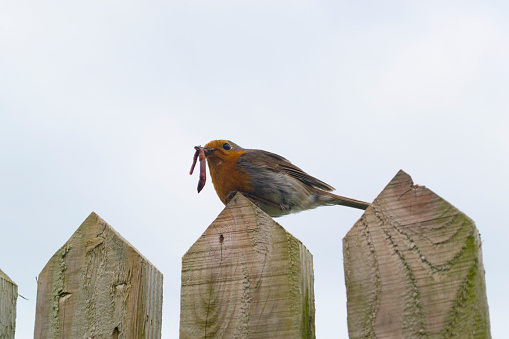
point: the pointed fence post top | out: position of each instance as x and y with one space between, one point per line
413 268
246 277
92 232
409 203
98 285
241 213
402 195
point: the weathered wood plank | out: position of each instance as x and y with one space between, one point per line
98 286
413 268
246 277
8 298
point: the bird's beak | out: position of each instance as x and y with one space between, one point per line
207 150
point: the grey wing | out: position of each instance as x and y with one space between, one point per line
276 163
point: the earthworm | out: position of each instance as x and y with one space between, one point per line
194 159
200 153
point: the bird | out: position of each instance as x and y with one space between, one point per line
272 182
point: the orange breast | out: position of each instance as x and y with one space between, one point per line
227 176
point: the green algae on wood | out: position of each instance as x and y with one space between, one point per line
413 268
8 298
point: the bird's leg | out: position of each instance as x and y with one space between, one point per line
231 195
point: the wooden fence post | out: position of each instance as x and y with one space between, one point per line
98 286
8 297
413 268
246 277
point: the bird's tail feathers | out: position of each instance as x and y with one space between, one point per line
326 198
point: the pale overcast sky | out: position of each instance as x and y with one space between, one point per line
101 103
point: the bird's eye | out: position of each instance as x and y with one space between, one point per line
226 146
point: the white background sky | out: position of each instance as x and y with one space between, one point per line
101 103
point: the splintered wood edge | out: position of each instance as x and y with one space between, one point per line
92 220
116 233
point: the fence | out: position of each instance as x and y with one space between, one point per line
413 269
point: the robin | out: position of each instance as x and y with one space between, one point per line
273 183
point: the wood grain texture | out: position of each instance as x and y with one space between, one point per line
8 298
413 268
246 277
98 286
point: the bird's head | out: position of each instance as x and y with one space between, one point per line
222 150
